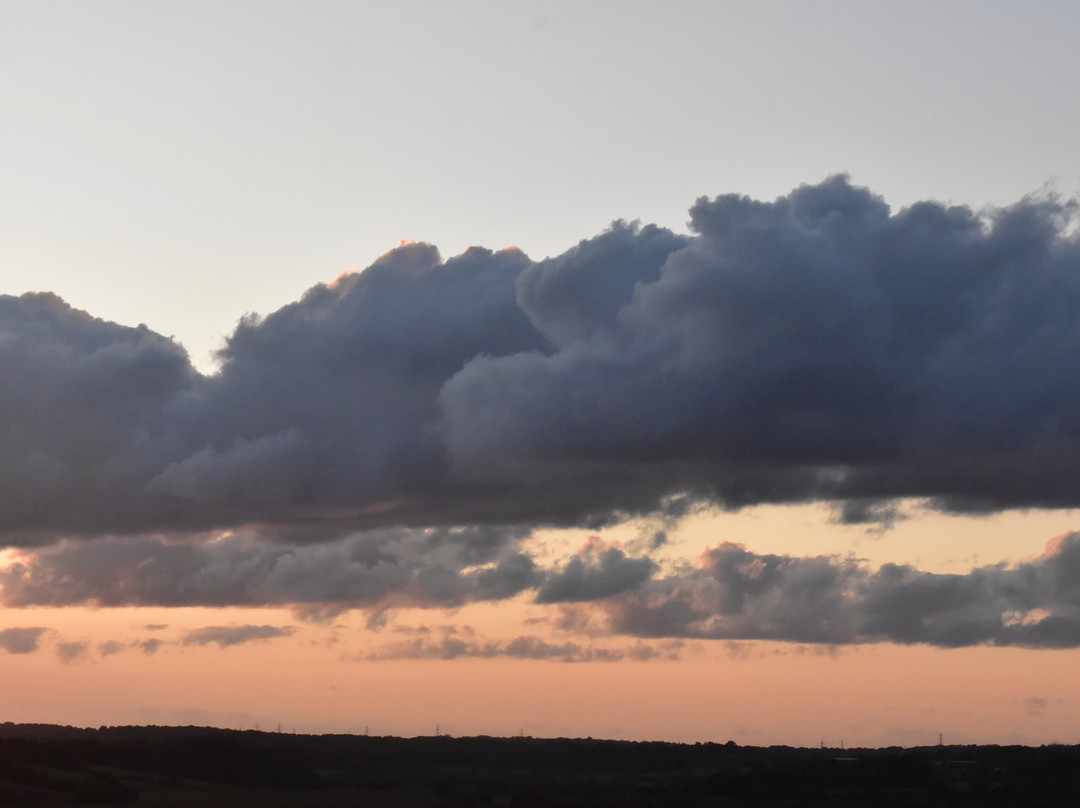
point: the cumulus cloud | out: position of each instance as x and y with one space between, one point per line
595 573
736 594
21 640
83 413
388 567
225 636
733 594
815 346
820 345
390 438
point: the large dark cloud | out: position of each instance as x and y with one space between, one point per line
326 409
817 346
84 407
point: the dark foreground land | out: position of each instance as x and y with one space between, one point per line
199 766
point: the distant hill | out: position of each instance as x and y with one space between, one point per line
192 766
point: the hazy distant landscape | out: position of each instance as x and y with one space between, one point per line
43 764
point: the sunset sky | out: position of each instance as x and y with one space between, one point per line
695 371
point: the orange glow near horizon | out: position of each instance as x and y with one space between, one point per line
317 680
103 666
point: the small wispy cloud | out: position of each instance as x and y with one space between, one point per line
72 651
524 647
225 636
21 640
111 647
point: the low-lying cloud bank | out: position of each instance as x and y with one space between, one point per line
738 595
524 647
816 346
31 640
381 568
732 593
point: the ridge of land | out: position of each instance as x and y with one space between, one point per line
158 766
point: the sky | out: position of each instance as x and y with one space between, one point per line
696 371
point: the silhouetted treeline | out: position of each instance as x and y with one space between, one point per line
135 765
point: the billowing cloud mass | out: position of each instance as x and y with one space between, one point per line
594 574
392 437
820 345
434 567
731 594
738 595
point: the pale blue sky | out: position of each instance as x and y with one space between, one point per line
181 164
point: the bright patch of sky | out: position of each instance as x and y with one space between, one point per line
181 164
